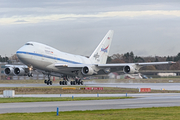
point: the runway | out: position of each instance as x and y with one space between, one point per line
155 86
143 100
140 100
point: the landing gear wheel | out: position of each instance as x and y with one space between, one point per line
74 82
50 82
30 75
81 82
45 81
60 82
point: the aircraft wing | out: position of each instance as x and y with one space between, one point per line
138 64
126 67
113 65
9 65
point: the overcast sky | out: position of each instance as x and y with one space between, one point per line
146 27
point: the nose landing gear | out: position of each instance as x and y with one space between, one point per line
30 75
30 72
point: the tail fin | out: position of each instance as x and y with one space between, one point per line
99 56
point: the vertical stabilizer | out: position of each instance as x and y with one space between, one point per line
99 56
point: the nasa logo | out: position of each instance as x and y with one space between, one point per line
104 49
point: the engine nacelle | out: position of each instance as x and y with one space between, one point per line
87 70
8 71
19 71
129 69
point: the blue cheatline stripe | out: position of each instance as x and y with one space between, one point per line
46 56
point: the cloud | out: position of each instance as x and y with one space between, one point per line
144 27
21 21
113 14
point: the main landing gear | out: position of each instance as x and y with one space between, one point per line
74 82
77 82
48 82
64 82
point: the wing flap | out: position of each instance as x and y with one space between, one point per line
70 66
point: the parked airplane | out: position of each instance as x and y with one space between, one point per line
52 62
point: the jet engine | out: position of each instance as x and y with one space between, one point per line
19 71
87 70
130 69
8 71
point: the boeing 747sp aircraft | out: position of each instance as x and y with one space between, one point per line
52 62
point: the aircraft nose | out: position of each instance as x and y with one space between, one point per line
20 52
22 56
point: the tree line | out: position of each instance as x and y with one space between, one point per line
4 59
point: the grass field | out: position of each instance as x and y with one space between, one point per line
59 90
162 113
43 99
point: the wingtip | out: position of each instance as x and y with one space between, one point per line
172 62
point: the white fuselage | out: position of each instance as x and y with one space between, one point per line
43 57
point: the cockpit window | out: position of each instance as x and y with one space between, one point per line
29 44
